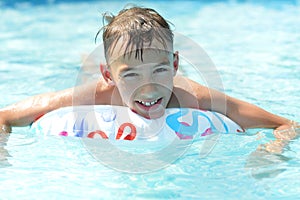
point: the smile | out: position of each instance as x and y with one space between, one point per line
149 103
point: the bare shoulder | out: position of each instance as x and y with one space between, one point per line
186 93
202 96
104 93
190 86
101 85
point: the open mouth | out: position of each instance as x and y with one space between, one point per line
147 105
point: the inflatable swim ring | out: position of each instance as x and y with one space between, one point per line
120 123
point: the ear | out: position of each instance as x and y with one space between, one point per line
106 74
175 62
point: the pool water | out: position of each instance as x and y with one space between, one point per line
255 48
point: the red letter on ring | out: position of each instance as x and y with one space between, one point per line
101 133
132 133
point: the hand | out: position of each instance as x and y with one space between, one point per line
274 146
4 129
287 132
283 135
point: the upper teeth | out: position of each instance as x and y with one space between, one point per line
148 103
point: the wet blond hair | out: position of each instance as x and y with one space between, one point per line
137 27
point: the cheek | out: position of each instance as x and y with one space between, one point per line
128 85
126 89
166 81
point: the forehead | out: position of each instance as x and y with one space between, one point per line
121 51
150 57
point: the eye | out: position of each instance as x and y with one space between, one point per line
160 70
130 75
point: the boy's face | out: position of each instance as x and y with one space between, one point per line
145 86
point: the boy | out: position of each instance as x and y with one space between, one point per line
140 73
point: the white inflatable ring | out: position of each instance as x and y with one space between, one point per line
120 123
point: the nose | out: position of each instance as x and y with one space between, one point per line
148 91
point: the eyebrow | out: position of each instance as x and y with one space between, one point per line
126 70
162 63
133 68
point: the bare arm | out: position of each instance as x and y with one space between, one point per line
251 116
245 114
27 111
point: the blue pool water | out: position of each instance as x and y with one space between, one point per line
255 47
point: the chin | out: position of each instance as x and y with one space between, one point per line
148 114
155 115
